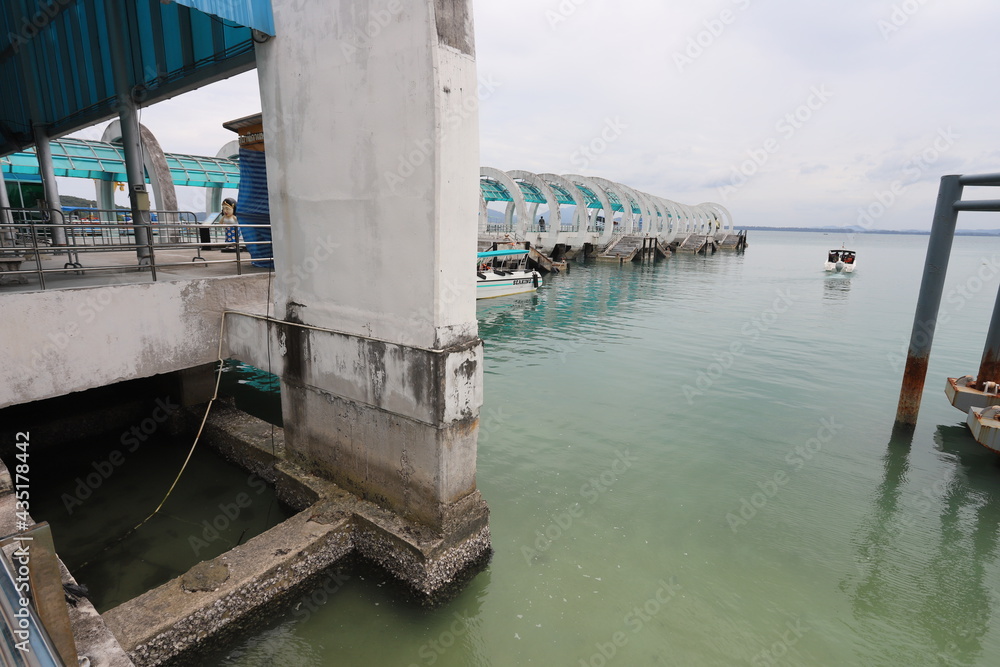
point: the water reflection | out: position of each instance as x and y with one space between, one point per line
941 606
568 307
836 287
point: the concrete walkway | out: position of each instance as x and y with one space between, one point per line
121 267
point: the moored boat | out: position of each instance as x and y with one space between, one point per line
841 261
505 272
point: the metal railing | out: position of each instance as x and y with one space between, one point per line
28 235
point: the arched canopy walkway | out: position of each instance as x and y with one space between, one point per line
602 209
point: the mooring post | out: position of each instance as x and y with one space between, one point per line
929 301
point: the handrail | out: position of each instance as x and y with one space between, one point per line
30 235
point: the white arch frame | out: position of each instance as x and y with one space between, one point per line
154 163
602 196
518 205
724 214
667 219
213 196
581 212
628 217
555 215
642 201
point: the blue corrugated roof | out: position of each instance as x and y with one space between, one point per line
251 13
57 67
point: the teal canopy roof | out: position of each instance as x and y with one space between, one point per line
532 195
58 61
77 158
589 196
562 196
494 190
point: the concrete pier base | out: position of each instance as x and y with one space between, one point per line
221 597
985 426
962 394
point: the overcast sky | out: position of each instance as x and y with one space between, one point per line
787 112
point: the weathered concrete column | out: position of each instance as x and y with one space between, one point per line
370 122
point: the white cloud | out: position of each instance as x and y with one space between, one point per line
568 66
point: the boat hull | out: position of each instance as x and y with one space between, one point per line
840 267
490 285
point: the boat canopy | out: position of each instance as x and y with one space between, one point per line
501 253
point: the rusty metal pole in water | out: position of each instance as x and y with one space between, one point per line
989 367
929 301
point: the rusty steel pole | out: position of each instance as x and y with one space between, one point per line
929 301
989 367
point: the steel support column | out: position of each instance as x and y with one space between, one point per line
989 367
44 151
6 233
929 301
131 139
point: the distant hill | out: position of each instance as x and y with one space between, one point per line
78 202
860 230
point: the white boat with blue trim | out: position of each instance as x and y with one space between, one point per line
505 272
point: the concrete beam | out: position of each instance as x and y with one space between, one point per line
71 340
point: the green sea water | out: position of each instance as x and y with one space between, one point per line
692 463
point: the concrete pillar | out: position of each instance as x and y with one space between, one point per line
43 150
371 125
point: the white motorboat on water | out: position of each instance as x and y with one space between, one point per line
841 261
505 272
